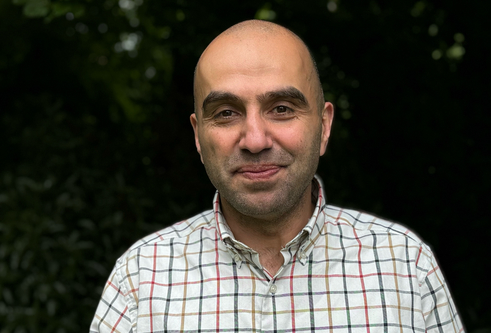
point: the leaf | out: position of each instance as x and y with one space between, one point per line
59 9
36 8
78 10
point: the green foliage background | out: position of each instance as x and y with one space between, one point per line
96 149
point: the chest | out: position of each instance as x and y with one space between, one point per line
331 294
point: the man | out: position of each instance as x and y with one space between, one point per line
271 255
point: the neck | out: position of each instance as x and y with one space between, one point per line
268 236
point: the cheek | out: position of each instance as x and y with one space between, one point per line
296 140
216 143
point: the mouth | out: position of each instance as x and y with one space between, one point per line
258 172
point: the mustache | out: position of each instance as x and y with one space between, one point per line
246 159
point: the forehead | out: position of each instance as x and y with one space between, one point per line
253 63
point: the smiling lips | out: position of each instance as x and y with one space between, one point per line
258 172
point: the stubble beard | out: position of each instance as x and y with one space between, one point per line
286 195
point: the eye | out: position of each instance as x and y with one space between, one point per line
225 117
224 114
282 111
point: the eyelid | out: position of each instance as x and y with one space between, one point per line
226 107
284 102
220 112
288 113
218 117
287 105
287 109
213 111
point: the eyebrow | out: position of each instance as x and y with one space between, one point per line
285 93
219 96
291 93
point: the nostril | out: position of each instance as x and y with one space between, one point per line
255 142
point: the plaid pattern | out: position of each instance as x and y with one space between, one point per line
345 272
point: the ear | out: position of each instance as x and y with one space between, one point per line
327 116
194 123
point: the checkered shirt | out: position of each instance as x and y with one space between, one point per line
346 271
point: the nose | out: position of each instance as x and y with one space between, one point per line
255 134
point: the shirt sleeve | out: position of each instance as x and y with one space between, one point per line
113 311
439 310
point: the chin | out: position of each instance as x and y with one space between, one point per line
259 207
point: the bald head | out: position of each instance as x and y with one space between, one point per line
258 26
257 44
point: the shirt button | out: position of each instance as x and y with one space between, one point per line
303 255
273 289
236 258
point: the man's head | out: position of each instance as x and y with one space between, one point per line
260 119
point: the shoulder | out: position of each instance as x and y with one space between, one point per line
181 232
350 228
361 222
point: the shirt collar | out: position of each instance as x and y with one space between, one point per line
305 238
